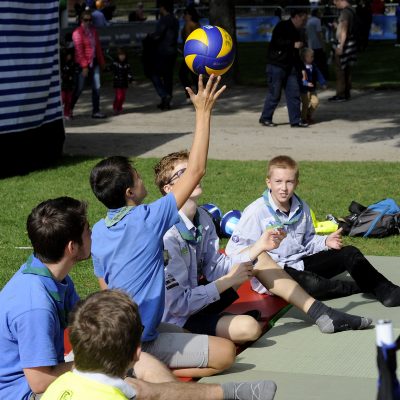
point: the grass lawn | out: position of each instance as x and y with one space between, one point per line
328 187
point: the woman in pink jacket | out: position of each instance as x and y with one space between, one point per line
89 57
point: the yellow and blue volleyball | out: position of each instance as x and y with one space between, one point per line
209 50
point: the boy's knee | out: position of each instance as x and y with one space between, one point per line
222 353
249 330
351 251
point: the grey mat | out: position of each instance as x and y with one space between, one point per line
307 364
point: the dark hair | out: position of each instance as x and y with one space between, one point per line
191 10
105 330
109 180
120 50
168 5
54 223
298 11
166 165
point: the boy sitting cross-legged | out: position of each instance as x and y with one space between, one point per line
105 332
193 245
127 247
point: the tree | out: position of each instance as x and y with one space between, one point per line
222 13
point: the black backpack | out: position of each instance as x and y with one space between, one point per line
377 220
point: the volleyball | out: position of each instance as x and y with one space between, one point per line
229 222
209 50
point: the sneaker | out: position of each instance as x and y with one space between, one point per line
267 123
99 115
397 45
337 99
301 124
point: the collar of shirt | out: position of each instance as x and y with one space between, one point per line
309 66
55 289
295 207
191 232
114 381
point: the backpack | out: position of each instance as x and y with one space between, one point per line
377 220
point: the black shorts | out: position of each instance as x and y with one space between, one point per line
205 321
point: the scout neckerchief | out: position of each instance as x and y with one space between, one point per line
188 237
50 285
186 234
118 216
278 222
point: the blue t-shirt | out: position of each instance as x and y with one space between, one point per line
129 256
33 312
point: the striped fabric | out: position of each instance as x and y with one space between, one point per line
349 55
29 66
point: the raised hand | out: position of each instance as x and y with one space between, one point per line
206 95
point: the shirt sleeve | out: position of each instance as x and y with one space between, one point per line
180 298
163 214
312 242
35 333
246 233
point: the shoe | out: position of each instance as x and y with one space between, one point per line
165 103
397 45
301 124
388 294
99 115
267 123
338 99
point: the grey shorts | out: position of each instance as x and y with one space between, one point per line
178 349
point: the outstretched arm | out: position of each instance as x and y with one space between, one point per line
203 103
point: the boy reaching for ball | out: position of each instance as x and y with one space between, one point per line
127 247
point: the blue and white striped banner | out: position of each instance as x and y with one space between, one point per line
29 66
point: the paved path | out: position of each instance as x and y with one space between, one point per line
365 128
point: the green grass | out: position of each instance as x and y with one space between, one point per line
328 187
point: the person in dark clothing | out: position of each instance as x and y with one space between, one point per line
364 14
68 78
166 40
186 76
283 64
122 76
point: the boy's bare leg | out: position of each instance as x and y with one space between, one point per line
280 283
238 328
149 369
221 356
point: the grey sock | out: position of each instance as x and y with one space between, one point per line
256 390
329 320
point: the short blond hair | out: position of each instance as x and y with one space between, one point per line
166 165
283 162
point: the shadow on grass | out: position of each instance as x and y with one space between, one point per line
104 144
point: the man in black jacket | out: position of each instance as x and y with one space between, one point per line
282 69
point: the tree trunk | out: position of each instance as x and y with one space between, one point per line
222 14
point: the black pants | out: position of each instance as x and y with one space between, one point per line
328 264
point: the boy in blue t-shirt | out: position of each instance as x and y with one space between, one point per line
35 302
127 246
